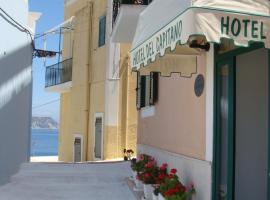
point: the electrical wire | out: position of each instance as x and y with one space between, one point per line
45 104
19 26
37 36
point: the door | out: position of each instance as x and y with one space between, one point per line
251 130
77 149
98 137
241 138
225 130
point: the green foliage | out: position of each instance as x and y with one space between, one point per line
138 164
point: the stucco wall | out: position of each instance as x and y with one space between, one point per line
74 104
129 112
15 89
97 93
189 170
65 150
178 123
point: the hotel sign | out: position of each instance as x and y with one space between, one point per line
158 44
214 24
244 27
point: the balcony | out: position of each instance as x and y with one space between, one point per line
58 77
125 17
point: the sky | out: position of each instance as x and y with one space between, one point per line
52 15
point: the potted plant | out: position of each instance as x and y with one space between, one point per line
162 173
138 167
172 189
128 154
133 167
149 177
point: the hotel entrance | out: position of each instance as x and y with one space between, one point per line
241 137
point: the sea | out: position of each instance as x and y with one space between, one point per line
44 142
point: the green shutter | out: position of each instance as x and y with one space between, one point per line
154 76
143 90
138 91
102 31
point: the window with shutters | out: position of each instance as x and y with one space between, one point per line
147 90
102 31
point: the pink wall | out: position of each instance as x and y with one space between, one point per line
178 125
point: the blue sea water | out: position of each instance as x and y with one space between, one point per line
44 142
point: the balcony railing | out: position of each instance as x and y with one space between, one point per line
118 3
58 73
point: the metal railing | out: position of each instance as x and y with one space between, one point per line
58 73
118 3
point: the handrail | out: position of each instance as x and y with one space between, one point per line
58 73
118 3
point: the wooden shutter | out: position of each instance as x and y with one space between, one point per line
141 91
154 76
138 91
102 31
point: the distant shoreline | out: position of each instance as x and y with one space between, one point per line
45 128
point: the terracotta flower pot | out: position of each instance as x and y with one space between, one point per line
148 191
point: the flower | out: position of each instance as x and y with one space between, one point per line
171 176
173 171
146 175
152 159
161 176
149 164
141 157
164 166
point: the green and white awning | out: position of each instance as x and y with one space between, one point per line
209 22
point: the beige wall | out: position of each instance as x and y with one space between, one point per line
178 125
129 82
87 95
65 139
74 104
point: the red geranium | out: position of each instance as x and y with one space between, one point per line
171 188
150 172
163 166
173 171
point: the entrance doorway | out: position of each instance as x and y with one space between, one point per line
77 148
241 144
98 149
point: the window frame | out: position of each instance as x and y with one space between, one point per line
102 29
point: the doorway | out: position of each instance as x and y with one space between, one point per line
241 138
98 126
77 148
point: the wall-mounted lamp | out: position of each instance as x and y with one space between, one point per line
198 42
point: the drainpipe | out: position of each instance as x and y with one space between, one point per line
89 74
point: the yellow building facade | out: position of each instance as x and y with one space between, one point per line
98 116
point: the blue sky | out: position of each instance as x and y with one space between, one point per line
52 15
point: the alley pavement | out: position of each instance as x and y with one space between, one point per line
44 181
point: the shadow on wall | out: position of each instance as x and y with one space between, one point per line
15 110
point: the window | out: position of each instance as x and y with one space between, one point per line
102 31
147 90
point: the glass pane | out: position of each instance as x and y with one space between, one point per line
223 131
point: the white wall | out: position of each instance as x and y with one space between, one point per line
15 89
112 68
189 170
